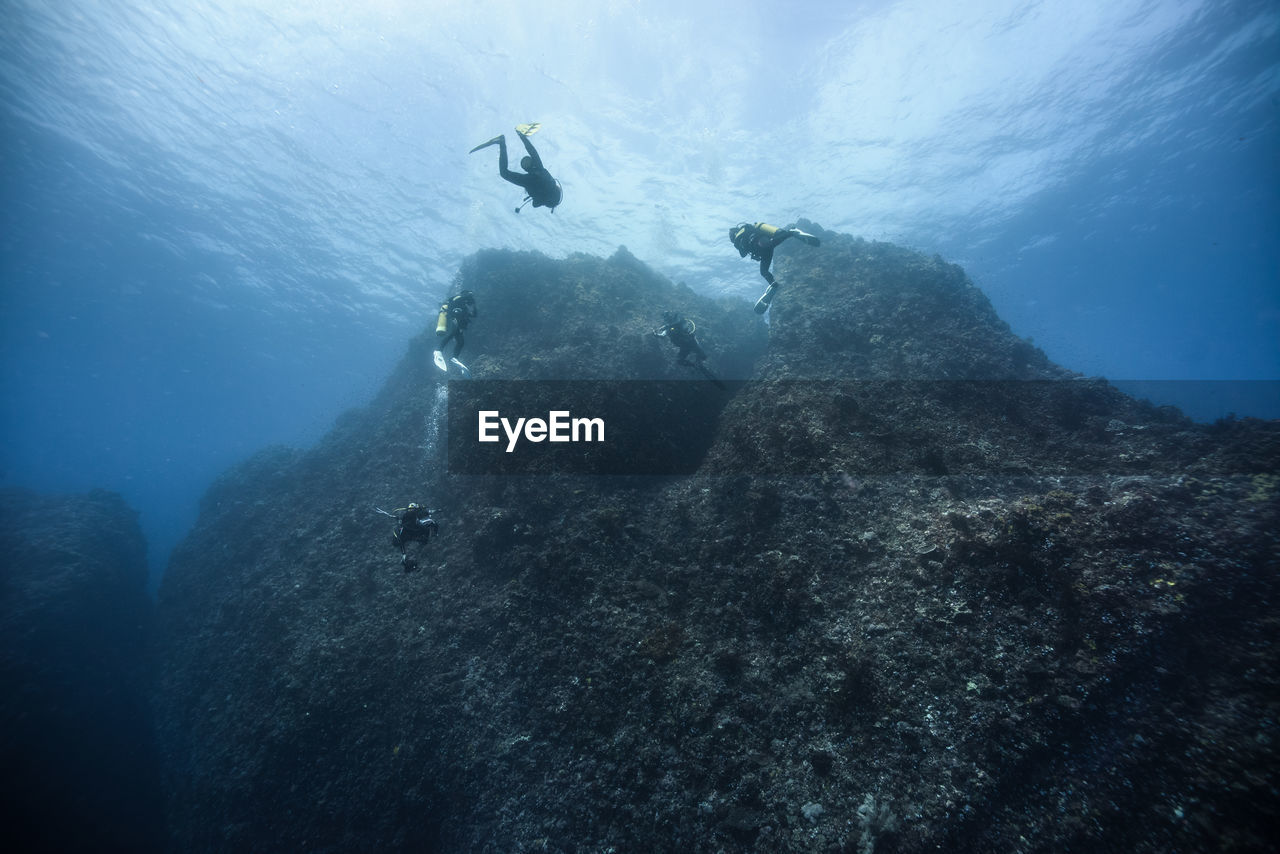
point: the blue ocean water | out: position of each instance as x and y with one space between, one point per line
224 219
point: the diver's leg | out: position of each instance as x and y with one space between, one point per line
762 304
520 179
410 536
792 231
457 343
766 258
502 159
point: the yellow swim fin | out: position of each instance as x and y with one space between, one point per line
528 130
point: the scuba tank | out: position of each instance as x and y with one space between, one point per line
442 322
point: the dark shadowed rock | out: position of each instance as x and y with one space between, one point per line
80 771
928 591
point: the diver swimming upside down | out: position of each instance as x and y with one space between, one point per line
542 189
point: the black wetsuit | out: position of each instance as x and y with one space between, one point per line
460 310
542 189
412 523
680 333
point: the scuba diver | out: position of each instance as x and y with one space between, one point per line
412 523
542 189
455 315
759 240
680 332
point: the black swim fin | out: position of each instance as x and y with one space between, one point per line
706 373
762 304
497 139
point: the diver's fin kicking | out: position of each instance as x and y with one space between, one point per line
466 372
528 129
497 139
806 237
706 373
762 304
438 357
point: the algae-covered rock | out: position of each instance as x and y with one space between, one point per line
920 593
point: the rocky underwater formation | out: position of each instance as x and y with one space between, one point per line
925 591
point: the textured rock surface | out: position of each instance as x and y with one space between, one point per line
80 771
913 602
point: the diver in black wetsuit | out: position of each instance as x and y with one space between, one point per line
759 241
543 190
679 331
455 315
412 523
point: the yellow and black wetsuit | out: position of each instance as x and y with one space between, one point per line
758 240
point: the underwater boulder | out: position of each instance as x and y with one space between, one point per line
919 593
